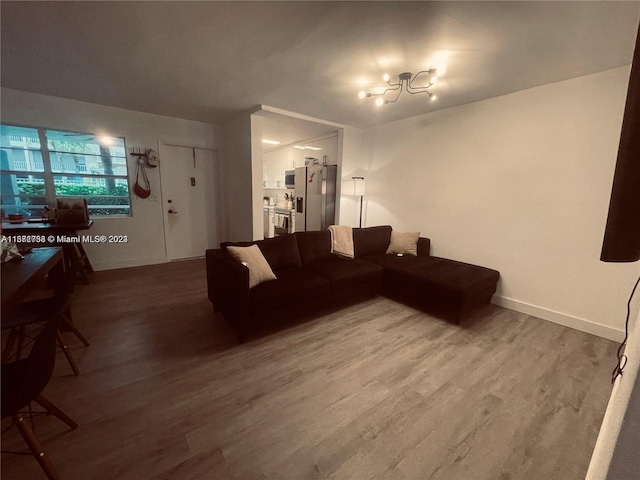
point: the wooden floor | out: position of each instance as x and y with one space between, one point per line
375 390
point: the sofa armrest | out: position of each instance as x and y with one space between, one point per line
424 247
227 284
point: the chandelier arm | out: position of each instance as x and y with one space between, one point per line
397 87
410 86
395 99
431 71
415 90
405 81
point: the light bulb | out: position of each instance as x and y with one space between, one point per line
386 77
362 94
433 97
379 102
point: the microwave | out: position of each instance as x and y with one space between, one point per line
290 179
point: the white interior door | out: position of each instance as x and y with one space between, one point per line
188 201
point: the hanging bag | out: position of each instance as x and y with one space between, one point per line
139 190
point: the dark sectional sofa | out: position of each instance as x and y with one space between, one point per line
309 276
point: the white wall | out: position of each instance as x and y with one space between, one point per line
236 190
257 163
276 162
354 157
145 228
519 183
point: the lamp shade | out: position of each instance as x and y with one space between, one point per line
353 187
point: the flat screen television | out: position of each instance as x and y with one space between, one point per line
622 234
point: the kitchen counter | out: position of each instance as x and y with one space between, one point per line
280 209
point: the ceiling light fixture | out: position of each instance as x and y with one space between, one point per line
405 82
105 140
271 142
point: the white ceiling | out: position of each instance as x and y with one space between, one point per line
208 60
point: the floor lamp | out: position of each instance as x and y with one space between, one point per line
354 188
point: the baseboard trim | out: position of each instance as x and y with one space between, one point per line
560 318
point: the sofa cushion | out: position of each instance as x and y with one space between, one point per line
452 279
371 240
404 243
314 246
280 252
346 273
252 258
396 263
434 277
292 285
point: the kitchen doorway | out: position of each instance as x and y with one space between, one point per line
188 200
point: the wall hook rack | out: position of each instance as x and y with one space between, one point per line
145 155
137 152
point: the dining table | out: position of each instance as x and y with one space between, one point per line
21 275
64 234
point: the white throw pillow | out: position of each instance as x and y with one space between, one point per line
252 258
405 243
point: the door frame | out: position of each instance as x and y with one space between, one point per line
216 206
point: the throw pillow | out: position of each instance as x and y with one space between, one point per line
279 252
252 258
405 243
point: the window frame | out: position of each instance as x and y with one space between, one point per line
48 174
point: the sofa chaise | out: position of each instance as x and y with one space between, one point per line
303 275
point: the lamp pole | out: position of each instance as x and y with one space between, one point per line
360 192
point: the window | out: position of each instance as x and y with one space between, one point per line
38 166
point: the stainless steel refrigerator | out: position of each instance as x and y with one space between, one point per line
315 197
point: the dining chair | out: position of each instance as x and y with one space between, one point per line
38 311
23 382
